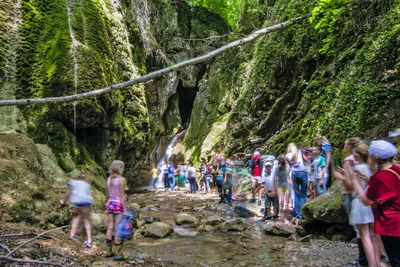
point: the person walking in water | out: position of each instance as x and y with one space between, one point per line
191 174
154 176
115 192
79 194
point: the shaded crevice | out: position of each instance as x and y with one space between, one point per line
186 95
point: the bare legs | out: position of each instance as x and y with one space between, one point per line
284 204
83 214
371 246
112 220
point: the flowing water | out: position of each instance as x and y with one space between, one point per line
75 59
190 247
167 155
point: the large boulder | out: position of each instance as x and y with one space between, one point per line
279 229
182 218
328 208
158 229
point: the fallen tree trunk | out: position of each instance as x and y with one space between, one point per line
151 75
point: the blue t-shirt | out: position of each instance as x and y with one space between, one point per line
171 170
318 164
326 147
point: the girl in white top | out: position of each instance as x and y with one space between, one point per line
79 194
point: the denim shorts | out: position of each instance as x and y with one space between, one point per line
82 205
154 181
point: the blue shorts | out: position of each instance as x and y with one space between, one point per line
154 181
82 205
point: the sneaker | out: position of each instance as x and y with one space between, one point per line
156 191
266 219
73 237
259 202
275 218
87 244
253 200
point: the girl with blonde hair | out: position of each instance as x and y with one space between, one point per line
115 192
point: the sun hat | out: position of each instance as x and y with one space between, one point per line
382 149
394 133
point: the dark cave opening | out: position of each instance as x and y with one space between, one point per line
187 96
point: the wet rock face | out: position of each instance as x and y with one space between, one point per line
158 229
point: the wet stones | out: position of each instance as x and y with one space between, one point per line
246 210
236 224
184 218
158 230
273 228
213 220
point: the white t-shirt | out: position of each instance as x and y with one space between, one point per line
298 165
191 172
269 181
80 192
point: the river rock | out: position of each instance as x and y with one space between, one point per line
213 220
134 206
246 210
209 228
157 229
148 219
99 222
182 218
140 223
279 229
327 207
236 224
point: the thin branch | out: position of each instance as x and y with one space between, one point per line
4 247
213 37
5 258
30 240
16 235
151 75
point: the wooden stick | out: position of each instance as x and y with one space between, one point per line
4 247
5 258
30 240
151 75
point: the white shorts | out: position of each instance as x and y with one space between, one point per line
311 178
256 179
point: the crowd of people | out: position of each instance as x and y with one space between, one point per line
369 173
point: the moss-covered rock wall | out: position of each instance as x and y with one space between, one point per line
335 75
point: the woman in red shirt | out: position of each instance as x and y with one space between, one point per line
383 194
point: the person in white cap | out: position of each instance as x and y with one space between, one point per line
384 194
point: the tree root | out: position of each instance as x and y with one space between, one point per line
6 258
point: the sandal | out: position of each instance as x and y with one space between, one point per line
87 244
73 237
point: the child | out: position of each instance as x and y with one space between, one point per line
319 170
154 176
79 194
271 196
115 192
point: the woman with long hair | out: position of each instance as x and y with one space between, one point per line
115 192
299 177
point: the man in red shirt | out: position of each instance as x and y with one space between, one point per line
384 194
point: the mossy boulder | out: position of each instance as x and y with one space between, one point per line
328 207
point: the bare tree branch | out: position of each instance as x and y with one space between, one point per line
5 258
30 240
151 75
4 247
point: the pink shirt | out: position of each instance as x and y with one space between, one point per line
345 189
114 194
